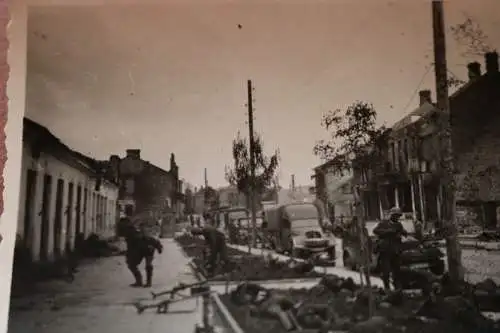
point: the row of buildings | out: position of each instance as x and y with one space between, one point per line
409 173
229 196
65 193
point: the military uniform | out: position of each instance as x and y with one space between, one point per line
390 233
216 246
141 247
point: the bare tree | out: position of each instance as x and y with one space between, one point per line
356 144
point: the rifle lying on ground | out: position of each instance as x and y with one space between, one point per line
197 289
179 287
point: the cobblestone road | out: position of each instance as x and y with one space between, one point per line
100 300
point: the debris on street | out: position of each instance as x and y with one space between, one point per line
337 304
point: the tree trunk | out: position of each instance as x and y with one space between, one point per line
363 242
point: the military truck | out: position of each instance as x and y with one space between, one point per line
296 229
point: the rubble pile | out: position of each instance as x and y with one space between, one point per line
338 305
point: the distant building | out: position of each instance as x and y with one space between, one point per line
333 190
63 193
229 196
146 188
299 193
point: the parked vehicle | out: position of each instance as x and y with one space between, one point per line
244 230
416 255
296 228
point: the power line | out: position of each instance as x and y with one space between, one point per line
415 92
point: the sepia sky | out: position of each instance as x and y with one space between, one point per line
172 78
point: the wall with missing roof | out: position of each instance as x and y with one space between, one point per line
57 201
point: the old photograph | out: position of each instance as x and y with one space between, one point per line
258 167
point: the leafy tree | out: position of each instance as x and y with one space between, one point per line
211 198
240 174
356 143
265 167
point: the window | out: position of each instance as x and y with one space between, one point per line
396 155
392 155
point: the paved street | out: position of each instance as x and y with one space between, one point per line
100 300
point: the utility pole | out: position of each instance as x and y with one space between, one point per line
446 151
253 205
205 191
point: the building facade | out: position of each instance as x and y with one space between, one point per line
410 171
229 196
333 190
146 188
63 193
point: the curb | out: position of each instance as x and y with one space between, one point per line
375 281
217 303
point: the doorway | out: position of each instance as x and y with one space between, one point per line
85 207
69 216
490 215
78 210
28 216
58 218
45 227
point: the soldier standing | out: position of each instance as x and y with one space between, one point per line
390 233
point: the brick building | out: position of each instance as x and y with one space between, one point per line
408 174
146 188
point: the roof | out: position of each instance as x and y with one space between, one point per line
413 116
37 134
157 168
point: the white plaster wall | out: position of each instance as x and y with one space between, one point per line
48 164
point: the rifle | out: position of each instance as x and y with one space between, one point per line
179 287
197 289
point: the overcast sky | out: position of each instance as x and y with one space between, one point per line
172 78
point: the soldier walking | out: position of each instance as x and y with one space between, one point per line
390 233
141 246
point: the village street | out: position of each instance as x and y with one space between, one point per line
100 300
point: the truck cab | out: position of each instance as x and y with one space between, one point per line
296 228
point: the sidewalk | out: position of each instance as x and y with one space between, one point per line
338 270
100 300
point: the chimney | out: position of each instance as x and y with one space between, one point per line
134 153
425 97
491 59
474 70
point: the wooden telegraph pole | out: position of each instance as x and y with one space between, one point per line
446 156
253 205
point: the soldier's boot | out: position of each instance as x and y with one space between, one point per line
149 276
138 277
